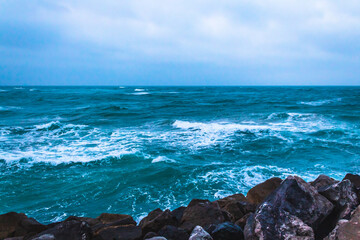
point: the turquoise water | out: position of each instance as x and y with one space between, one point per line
87 150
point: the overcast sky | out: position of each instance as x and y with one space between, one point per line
188 42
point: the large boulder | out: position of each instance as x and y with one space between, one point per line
226 231
343 196
126 232
323 181
347 229
293 209
18 224
67 230
153 214
199 233
173 233
230 199
272 223
202 213
178 213
257 194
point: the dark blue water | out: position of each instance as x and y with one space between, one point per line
87 150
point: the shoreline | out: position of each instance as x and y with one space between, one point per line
275 209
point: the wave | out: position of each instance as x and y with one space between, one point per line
140 93
9 108
139 89
162 159
218 127
3 90
321 102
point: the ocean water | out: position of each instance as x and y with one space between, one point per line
87 150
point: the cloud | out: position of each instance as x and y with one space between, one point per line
227 33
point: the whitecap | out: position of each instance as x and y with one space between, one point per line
140 93
162 159
321 102
139 89
3 90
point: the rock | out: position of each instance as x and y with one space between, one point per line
18 224
150 216
156 238
173 233
257 194
347 229
343 196
323 181
178 213
272 223
234 210
226 231
202 213
200 234
242 221
14 238
90 221
119 233
156 223
229 199
291 210
355 180
110 217
67 230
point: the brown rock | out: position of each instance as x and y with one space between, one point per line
18 224
173 233
202 213
257 194
242 221
155 224
229 199
323 181
347 229
153 214
119 233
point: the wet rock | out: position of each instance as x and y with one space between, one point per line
347 229
291 210
235 211
110 217
202 213
157 238
242 221
271 223
67 230
230 199
323 181
200 234
173 233
156 223
226 231
90 221
18 224
119 233
257 194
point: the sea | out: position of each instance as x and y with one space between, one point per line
87 150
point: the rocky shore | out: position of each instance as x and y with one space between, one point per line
275 209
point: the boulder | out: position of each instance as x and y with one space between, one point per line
271 223
110 218
150 235
347 229
156 223
323 181
173 233
343 196
257 194
202 213
67 230
293 209
156 238
150 216
229 199
355 180
18 224
199 234
226 231
235 211
119 233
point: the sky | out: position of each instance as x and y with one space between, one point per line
183 42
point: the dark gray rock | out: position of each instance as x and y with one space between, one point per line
161 220
230 199
119 233
293 209
67 230
178 213
355 180
242 221
202 213
347 229
173 233
226 231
